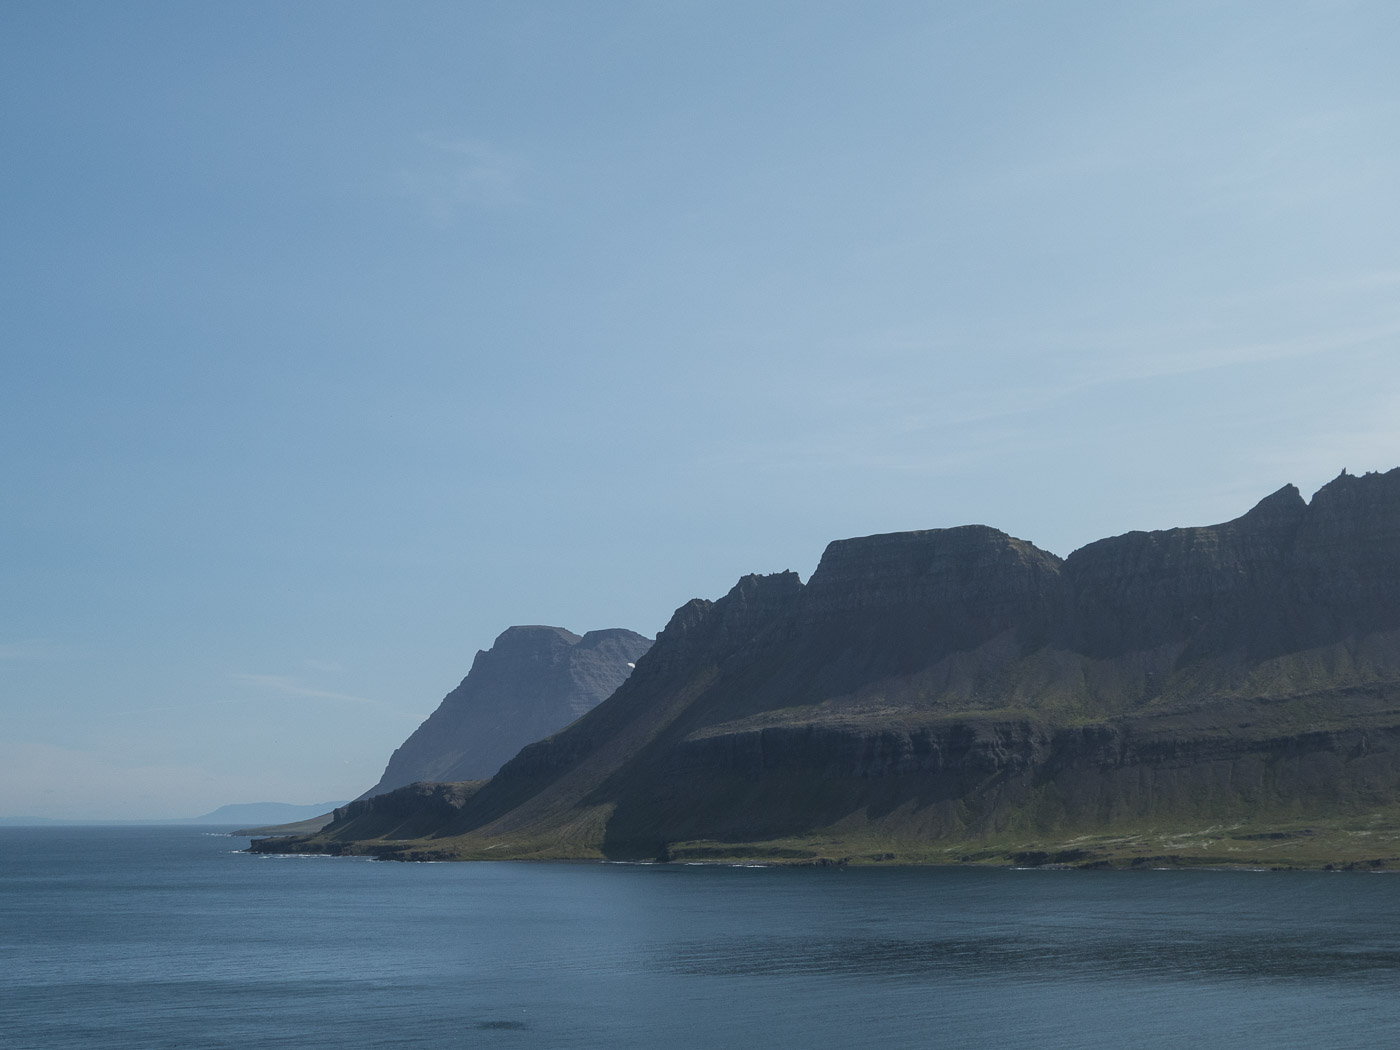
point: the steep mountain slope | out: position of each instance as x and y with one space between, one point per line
932 693
530 683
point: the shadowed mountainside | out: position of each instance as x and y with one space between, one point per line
960 693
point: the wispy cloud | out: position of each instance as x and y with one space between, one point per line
1130 357
926 404
289 686
1094 361
1362 435
455 174
265 685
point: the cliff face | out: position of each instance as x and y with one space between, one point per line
1213 587
1287 576
954 684
532 682
1346 558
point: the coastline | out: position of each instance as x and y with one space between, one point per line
1368 842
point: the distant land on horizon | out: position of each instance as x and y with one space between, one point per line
236 814
1226 694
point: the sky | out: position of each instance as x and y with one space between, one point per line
339 337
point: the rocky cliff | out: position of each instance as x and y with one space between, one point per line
930 693
532 682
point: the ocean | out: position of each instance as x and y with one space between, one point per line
168 937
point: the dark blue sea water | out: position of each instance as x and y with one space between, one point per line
165 937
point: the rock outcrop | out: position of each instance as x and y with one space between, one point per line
950 685
532 682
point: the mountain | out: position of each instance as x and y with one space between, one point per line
532 682
1223 694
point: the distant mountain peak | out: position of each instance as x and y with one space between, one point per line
534 680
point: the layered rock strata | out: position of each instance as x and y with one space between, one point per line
949 685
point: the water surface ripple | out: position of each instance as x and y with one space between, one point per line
158 938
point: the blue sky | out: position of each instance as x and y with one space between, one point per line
340 337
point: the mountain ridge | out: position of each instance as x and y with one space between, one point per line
938 689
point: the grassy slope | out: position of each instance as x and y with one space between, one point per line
1290 807
296 827
1368 840
1206 821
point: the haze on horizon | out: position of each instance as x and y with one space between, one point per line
340 338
